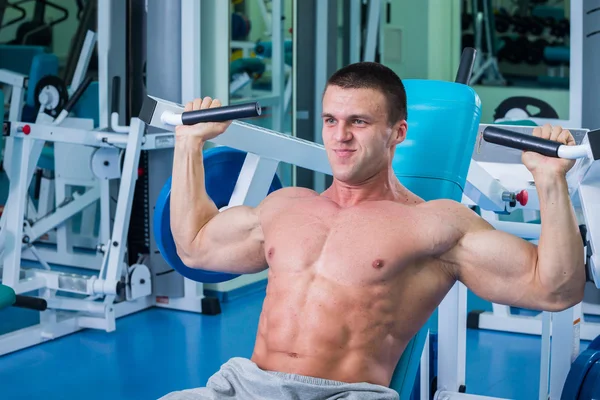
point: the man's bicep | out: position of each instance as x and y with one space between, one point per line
498 267
232 241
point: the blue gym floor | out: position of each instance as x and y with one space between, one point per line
157 351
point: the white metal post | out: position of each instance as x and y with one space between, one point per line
129 176
452 339
424 378
565 347
545 355
15 209
254 180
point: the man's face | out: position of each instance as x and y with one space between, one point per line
357 134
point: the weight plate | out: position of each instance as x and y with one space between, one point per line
222 166
579 371
54 94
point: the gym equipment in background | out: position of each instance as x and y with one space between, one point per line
37 32
520 108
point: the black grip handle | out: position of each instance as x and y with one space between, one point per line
520 141
32 303
78 93
465 69
221 114
116 86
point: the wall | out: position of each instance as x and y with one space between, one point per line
422 39
62 33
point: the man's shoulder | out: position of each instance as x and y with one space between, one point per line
292 192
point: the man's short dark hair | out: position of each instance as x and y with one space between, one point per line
372 75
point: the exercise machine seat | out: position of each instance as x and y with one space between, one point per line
41 65
433 162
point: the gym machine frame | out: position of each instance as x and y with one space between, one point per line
63 239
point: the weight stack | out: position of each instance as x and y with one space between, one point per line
139 228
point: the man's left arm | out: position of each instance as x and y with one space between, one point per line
505 269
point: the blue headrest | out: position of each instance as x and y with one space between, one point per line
443 118
433 162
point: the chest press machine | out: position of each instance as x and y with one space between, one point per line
250 155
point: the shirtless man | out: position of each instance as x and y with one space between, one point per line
355 271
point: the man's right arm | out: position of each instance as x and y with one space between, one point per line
229 241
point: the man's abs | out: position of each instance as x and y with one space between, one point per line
346 293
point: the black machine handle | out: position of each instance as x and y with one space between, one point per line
520 141
221 114
116 85
465 69
78 93
32 303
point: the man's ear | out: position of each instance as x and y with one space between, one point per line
399 131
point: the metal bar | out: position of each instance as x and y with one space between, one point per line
254 139
253 182
85 260
451 352
13 79
483 189
64 303
62 134
87 50
16 104
118 243
63 213
545 357
15 210
564 347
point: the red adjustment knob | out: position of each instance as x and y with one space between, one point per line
26 129
523 197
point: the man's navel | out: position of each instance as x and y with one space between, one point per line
271 252
378 264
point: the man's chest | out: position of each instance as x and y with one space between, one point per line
350 246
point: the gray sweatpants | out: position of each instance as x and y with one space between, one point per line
240 378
